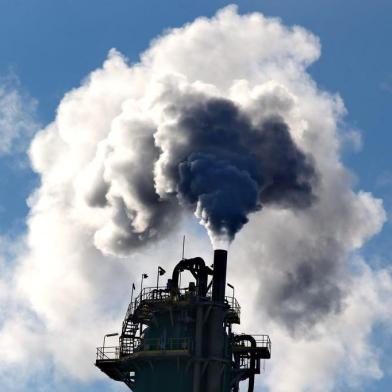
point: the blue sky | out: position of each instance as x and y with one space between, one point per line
51 45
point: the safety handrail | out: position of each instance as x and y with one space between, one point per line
261 341
171 344
108 353
233 304
162 294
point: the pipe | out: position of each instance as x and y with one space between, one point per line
197 268
215 328
251 339
219 276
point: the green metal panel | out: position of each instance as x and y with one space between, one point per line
164 376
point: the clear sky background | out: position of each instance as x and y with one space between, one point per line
51 45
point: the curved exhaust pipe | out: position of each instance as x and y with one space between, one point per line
251 339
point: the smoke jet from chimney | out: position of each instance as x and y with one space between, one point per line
223 167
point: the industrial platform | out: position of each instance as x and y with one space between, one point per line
180 339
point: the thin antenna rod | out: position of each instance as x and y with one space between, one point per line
183 247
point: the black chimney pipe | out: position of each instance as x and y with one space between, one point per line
219 275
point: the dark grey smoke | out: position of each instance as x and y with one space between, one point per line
312 286
229 168
218 165
158 216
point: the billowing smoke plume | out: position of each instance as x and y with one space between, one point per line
199 152
224 167
219 118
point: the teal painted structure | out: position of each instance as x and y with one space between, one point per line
181 340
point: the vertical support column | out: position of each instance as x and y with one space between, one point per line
198 349
216 349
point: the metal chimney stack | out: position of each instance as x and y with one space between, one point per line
219 276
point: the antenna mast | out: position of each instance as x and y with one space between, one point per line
183 247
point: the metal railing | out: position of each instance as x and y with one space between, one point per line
247 359
108 353
261 341
171 344
234 305
151 295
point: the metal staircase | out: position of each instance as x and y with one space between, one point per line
128 339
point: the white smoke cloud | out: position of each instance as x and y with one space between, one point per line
18 120
295 270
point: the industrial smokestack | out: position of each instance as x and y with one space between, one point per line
219 275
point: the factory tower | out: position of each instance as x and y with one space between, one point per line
180 339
